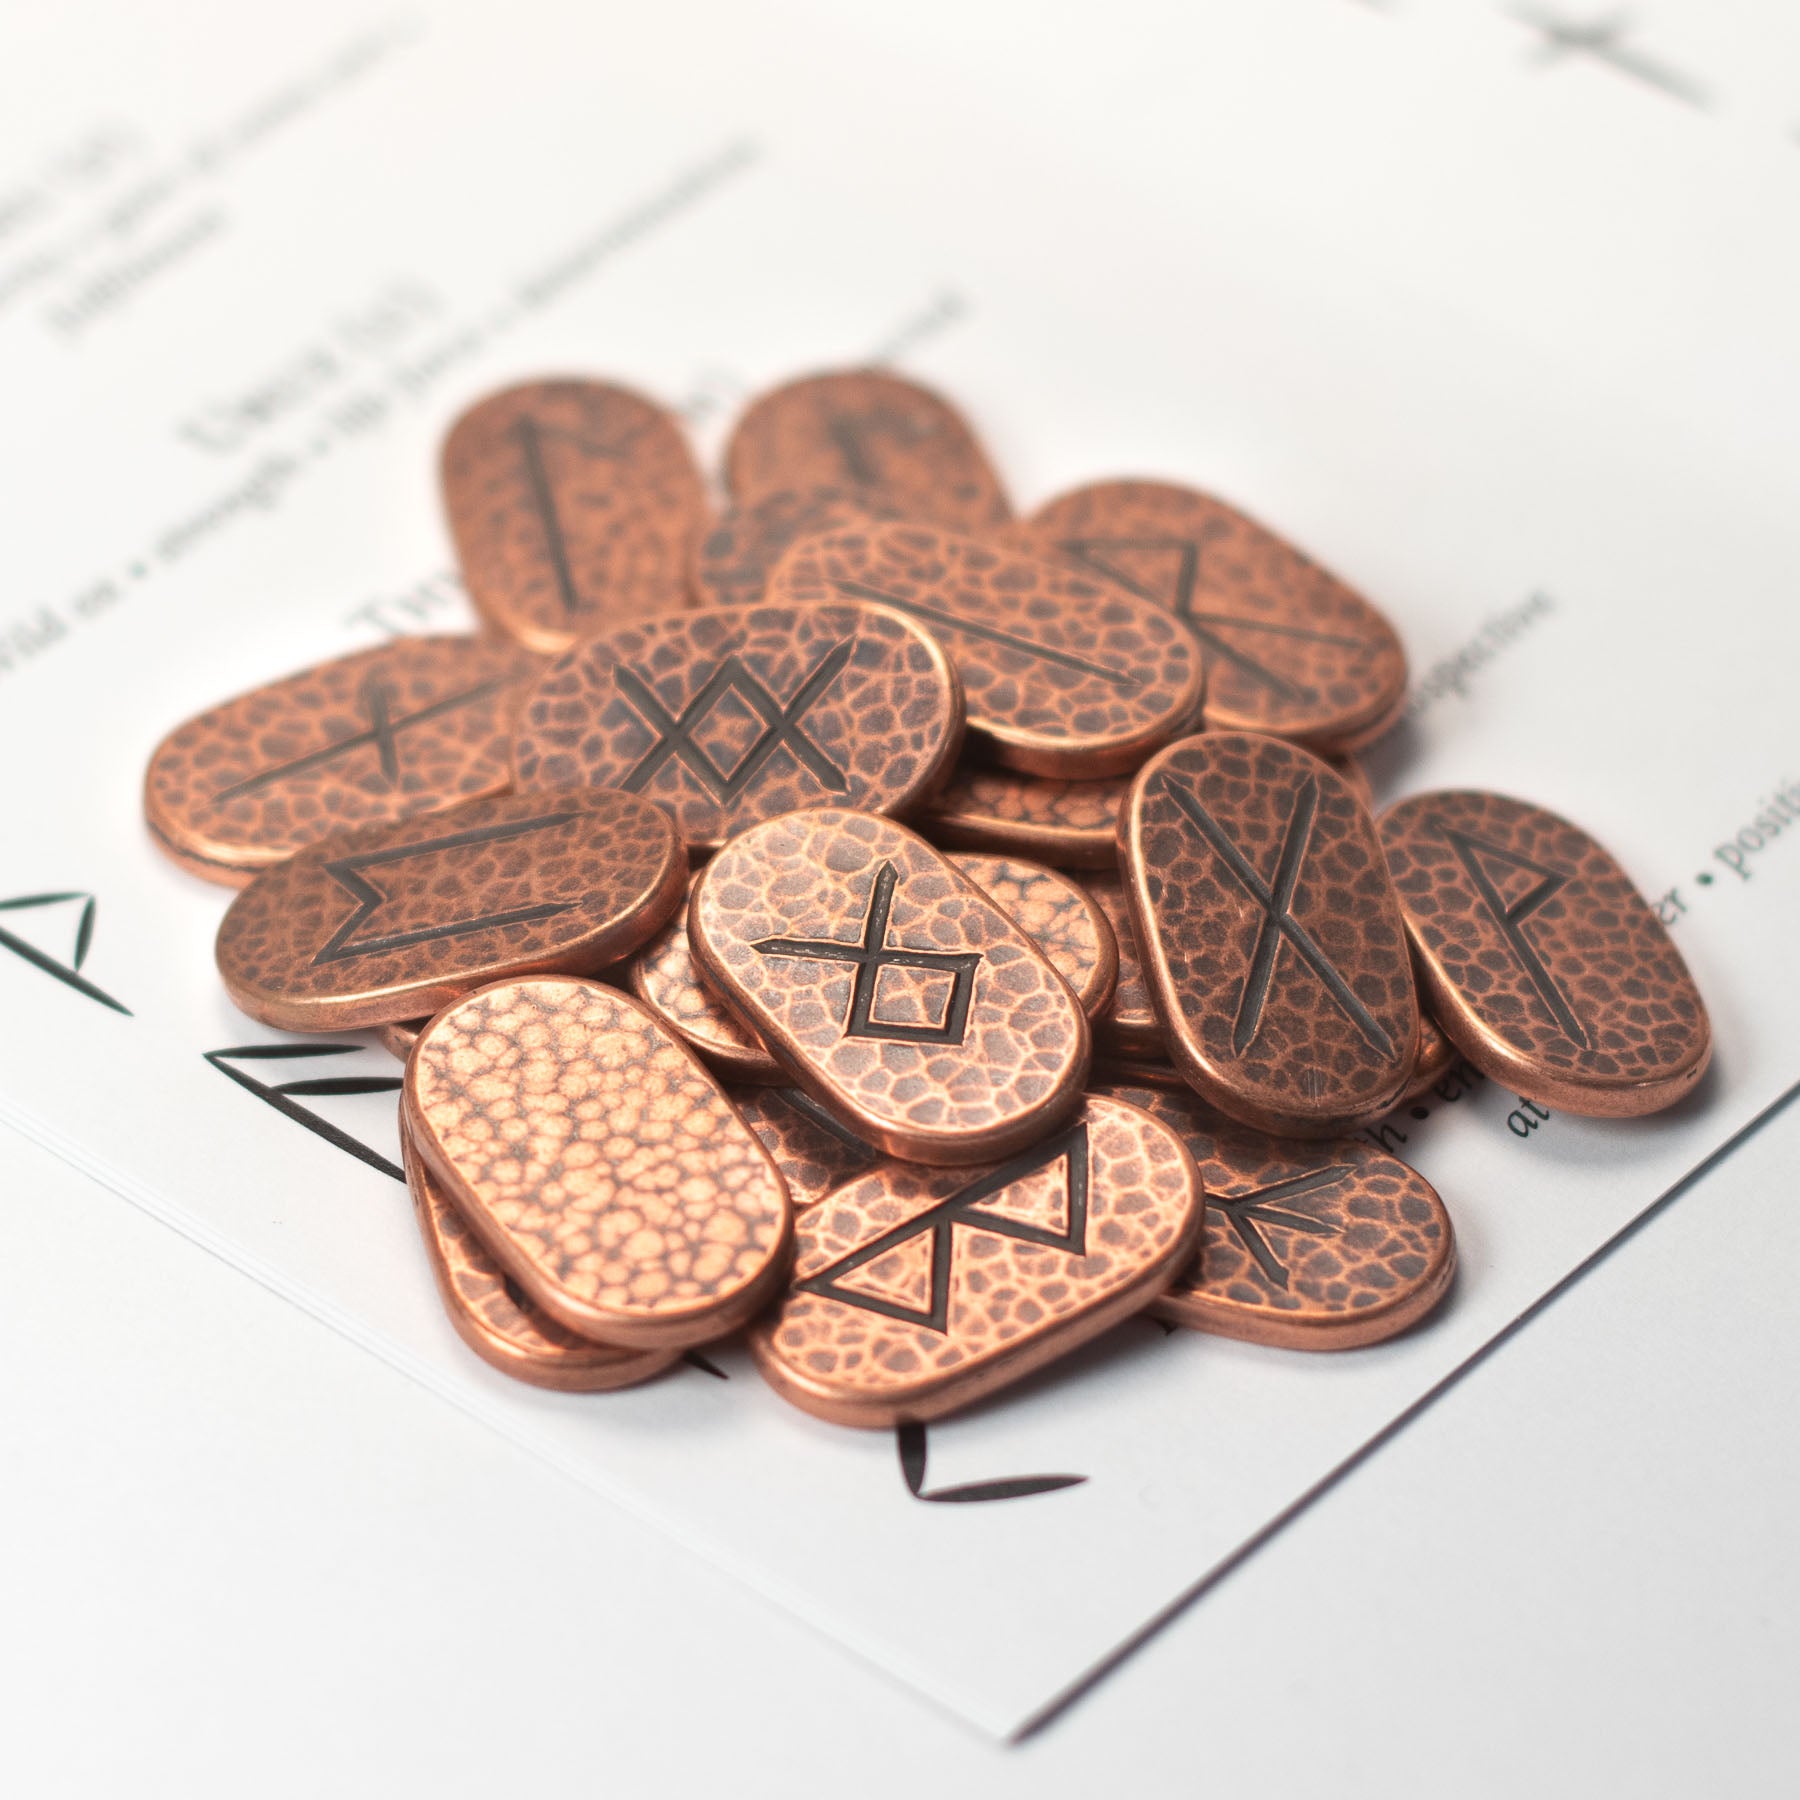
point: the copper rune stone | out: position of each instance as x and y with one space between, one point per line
1270 935
493 1316
871 431
598 1162
1129 1025
1320 1246
813 1151
728 715
1067 824
1290 649
1062 675
735 559
890 987
916 1291
389 921
1437 1057
574 505
407 728
1539 958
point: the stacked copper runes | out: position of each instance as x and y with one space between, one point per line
918 935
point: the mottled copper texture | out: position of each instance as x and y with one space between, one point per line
494 1318
574 505
1437 1057
811 1149
1129 1025
1270 935
733 714
406 728
1062 675
598 1162
393 921
1290 649
917 1291
1540 960
1355 776
734 560
1321 1246
866 429
1068 824
890 987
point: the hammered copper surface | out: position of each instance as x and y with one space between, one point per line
1437 1057
1270 935
812 1150
406 728
1062 675
494 1318
1320 1246
729 715
1068 824
1355 775
393 921
867 429
735 559
1129 1025
1290 649
598 1162
890 987
574 505
1539 958
916 1291
1058 916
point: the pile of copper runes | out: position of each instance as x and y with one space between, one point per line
822 903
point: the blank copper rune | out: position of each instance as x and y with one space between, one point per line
1062 675
598 1162
890 987
1540 960
735 559
391 921
733 714
1129 1025
1319 1246
1270 935
868 430
916 1291
812 1150
1068 824
1290 649
492 1314
407 728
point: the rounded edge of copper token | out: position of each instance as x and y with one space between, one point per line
399 1035
1128 1027
1437 1057
1077 938
1004 812
814 1152
734 558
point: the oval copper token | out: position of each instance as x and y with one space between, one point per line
812 1150
573 505
390 921
598 1162
1437 1057
917 1291
406 728
734 714
1129 1025
890 987
735 559
867 429
1068 824
1270 935
1539 958
399 1035
1322 1246
1061 675
494 1318
1290 649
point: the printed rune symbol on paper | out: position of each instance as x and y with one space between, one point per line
385 730
348 873
871 954
914 1449
68 973
1101 556
1273 1207
938 1224
781 726
285 1096
531 435
1480 861
1277 925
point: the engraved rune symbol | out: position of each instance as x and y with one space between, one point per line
964 1208
852 435
1277 925
375 698
781 726
347 872
1475 855
873 954
1273 1206
531 437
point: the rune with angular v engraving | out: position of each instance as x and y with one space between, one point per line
1273 1207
